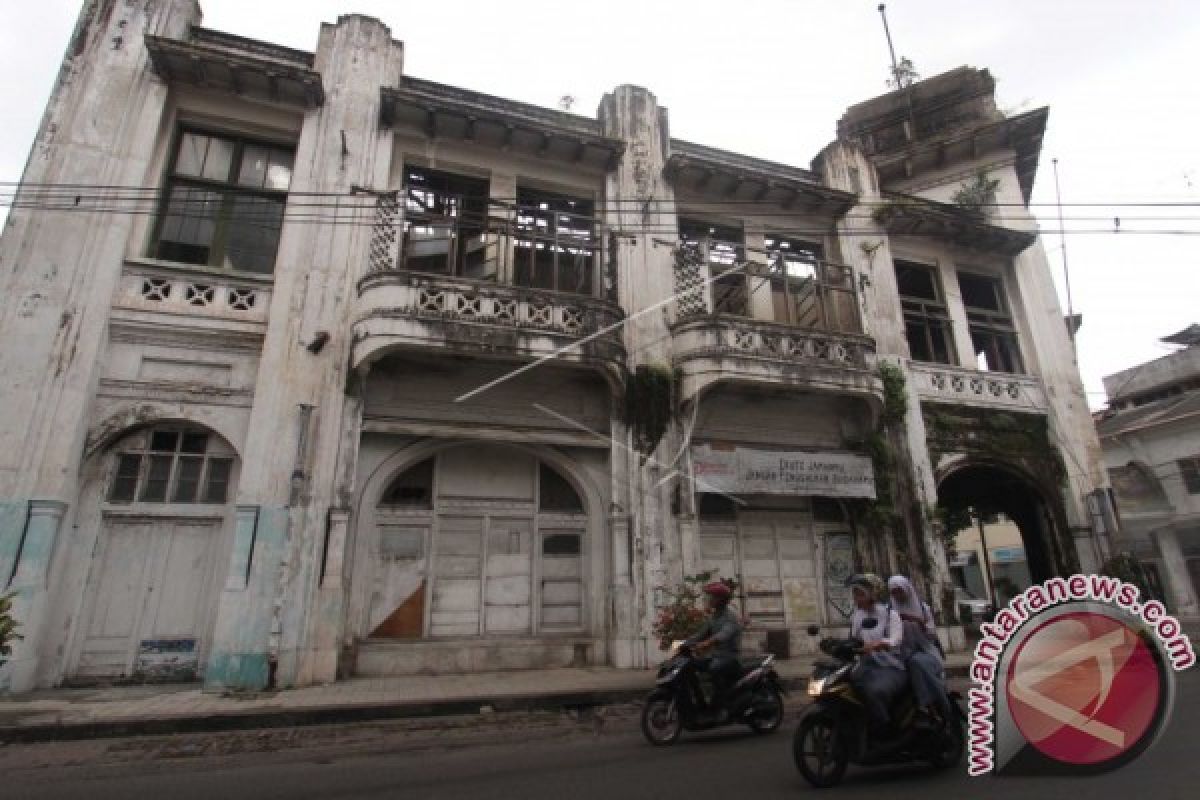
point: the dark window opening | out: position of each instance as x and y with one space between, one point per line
224 203
993 336
555 493
413 488
927 325
1190 469
556 246
723 249
716 505
445 225
561 544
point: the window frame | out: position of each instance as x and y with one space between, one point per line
927 313
529 237
229 190
995 326
460 214
141 447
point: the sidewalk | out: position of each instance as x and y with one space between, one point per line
63 714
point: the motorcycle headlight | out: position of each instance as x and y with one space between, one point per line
816 686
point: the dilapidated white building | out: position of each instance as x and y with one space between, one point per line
314 368
1151 442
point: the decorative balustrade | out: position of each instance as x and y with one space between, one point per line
436 311
174 291
722 348
940 383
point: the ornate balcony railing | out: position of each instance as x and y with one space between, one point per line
416 310
942 383
711 349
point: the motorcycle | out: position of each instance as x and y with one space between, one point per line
679 701
833 732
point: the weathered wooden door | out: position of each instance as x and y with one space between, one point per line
149 599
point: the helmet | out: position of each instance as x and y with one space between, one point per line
718 589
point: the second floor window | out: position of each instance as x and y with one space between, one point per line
722 248
993 335
224 202
556 246
927 324
445 225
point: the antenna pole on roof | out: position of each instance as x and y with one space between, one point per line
1062 235
891 49
901 83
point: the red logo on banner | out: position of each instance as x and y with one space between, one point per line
1084 688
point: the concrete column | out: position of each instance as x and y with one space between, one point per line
291 454
503 191
645 276
58 272
1179 582
864 245
761 304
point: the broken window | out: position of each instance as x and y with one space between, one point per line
445 225
722 248
556 246
172 465
927 323
993 336
807 290
224 202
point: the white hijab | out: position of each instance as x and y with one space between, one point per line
912 604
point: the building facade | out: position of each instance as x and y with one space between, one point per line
327 370
1151 440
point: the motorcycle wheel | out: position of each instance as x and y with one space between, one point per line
816 752
951 745
767 710
661 721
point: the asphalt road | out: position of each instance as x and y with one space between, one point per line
577 761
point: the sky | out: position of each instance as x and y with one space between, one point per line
770 78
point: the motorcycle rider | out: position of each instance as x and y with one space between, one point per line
880 674
920 651
723 633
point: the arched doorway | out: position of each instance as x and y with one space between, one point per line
476 541
164 496
987 495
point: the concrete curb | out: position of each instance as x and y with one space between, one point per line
344 713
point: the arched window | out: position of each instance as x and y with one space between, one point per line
413 488
172 464
555 494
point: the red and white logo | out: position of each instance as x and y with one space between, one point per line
1085 688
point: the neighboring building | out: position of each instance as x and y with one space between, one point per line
1151 439
995 555
324 369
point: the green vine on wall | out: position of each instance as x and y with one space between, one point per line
8 628
973 198
895 395
650 404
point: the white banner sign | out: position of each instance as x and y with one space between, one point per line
741 470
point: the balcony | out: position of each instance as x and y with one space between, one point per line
400 309
461 274
712 349
942 383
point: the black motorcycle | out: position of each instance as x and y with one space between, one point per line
680 702
833 732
